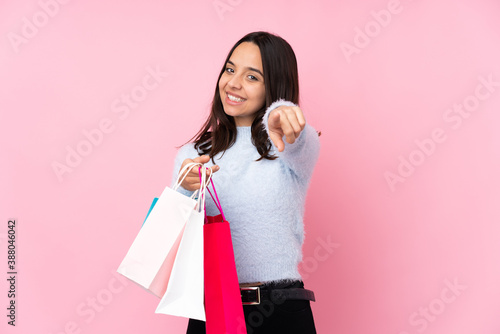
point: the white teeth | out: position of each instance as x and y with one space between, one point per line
234 98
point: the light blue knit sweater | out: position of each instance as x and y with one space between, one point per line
263 201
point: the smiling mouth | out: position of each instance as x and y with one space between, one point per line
234 98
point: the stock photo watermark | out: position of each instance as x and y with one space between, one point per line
453 117
12 272
88 309
363 36
430 312
94 137
322 252
264 310
30 26
223 6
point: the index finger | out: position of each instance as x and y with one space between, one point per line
287 128
300 117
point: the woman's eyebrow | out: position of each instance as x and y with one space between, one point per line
250 68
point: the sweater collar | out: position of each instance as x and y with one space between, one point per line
244 129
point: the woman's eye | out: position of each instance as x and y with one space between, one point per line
252 77
229 69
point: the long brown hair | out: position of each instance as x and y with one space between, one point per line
281 80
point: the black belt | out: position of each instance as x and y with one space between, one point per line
253 295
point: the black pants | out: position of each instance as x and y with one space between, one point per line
288 317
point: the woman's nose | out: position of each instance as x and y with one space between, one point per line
235 81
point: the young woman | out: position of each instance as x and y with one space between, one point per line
262 152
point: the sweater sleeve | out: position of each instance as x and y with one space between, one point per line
301 156
182 154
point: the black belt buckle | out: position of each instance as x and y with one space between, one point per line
250 295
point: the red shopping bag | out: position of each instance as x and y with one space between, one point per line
223 306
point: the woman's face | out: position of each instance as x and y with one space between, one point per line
241 86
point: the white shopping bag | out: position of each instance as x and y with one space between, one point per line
185 291
149 260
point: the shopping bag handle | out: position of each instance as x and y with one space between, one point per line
190 165
217 204
204 180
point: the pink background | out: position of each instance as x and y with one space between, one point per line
392 251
